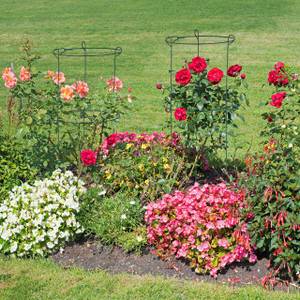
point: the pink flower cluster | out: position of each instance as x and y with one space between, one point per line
10 78
202 225
79 88
126 137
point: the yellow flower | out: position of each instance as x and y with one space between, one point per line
128 146
164 159
107 174
167 167
145 146
141 167
147 182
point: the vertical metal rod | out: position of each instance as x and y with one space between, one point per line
171 88
58 89
83 46
114 71
226 100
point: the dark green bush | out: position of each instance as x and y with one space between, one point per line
14 165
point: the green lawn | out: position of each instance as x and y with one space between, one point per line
43 280
266 31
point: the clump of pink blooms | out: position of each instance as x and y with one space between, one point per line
202 225
126 137
79 88
9 77
114 84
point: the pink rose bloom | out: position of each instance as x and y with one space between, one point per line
58 78
114 84
9 77
25 74
67 93
81 88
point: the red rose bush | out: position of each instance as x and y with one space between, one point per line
202 106
202 225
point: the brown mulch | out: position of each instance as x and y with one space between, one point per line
91 255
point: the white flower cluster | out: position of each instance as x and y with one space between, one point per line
38 219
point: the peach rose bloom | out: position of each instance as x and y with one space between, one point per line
67 93
58 77
9 77
25 74
81 88
114 84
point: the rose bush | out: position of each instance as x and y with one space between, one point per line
202 225
202 104
37 219
273 180
57 118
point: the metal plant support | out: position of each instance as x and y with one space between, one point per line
83 53
198 40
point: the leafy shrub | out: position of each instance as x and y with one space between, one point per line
114 220
203 106
38 219
273 178
15 167
58 118
202 225
151 164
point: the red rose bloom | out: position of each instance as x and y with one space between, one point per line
112 139
198 64
183 76
215 75
159 86
180 114
279 65
234 70
277 99
243 76
278 78
88 157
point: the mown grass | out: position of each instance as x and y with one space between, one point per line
266 31
42 279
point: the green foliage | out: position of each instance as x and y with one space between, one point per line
15 166
134 240
114 220
149 169
273 182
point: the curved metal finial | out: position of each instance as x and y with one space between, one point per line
83 45
196 33
231 38
118 50
58 51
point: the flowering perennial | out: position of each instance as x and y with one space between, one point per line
126 137
202 225
38 219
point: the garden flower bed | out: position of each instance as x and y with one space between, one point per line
150 193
